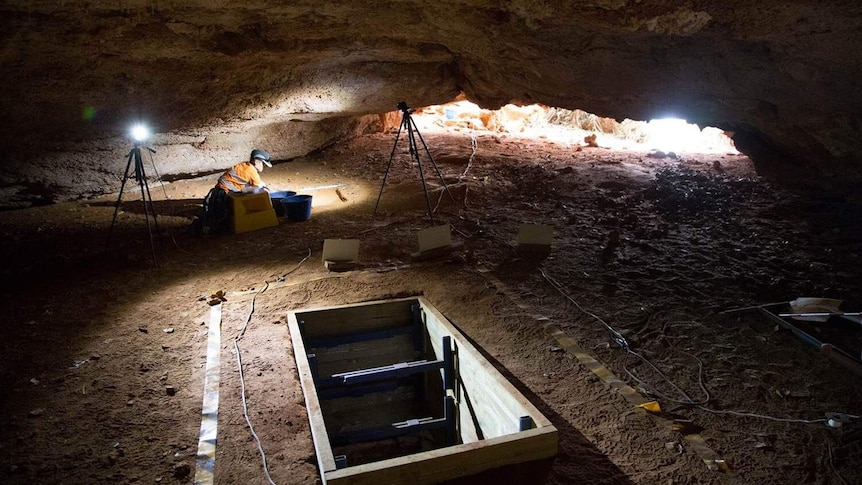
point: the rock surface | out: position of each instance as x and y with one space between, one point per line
215 78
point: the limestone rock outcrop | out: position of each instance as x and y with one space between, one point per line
783 76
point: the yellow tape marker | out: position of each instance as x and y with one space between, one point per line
652 406
709 457
205 472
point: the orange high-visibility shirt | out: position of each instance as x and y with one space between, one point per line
239 177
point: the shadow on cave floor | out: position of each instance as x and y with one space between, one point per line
171 208
90 342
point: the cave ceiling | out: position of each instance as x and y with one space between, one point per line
783 76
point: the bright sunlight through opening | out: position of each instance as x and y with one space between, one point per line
576 128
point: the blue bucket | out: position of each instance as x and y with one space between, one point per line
276 198
297 208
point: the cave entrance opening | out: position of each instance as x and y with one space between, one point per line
576 128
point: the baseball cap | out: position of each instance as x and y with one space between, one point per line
262 155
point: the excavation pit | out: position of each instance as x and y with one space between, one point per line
396 394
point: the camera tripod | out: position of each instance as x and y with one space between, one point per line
408 125
147 199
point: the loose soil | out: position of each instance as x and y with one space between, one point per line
103 354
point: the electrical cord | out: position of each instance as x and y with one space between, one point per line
474 147
169 200
620 340
245 414
762 416
615 335
688 400
239 368
831 462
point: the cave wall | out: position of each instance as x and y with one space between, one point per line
782 75
86 168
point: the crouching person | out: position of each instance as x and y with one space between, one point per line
242 177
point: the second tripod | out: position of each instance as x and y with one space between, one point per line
409 126
147 199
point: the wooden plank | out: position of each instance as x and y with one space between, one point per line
373 410
322 448
389 431
364 355
451 462
483 408
346 405
497 411
509 389
466 421
497 404
316 342
358 391
356 318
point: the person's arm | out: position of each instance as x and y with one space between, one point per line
260 185
252 178
256 180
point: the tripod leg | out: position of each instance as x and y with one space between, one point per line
152 206
146 199
389 165
433 163
415 152
119 200
147 217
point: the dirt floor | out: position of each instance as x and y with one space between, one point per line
102 355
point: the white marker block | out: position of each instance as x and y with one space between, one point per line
340 250
535 235
434 237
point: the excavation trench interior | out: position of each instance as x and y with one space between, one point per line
387 379
356 377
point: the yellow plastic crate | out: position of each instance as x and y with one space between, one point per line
251 212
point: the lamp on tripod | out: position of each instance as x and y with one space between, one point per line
409 126
140 134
